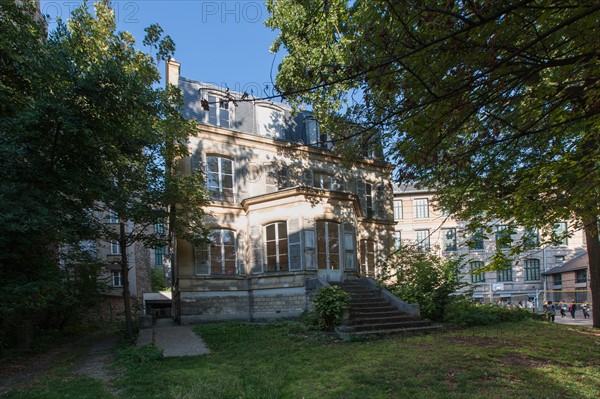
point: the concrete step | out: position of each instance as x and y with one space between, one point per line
384 326
382 319
381 333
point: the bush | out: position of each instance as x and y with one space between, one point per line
417 276
468 314
330 304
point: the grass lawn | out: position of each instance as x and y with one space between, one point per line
530 359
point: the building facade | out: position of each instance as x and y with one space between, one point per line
284 212
528 277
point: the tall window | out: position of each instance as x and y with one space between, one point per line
312 132
423 239
505 274
218 111
328 245
560 233
398 210
503 236
367 257
218 257
115 247
276 250
476 240
532 269
477 274
449 239
397 239
369 199
219 176
421 208
158 255
159 228
117 278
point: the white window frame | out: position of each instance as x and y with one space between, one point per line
117 278
209 250
422 239
218 192
328 224
278 253
113 217
115 247
421 208
217 106
398 211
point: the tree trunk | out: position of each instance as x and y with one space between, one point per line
125 275
593 250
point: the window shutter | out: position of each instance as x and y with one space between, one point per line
295 244
201 265
361 192
380 202
241 253
307 177
255 243
196 161
310 244
270 178
349 246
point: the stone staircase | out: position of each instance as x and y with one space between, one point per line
372 314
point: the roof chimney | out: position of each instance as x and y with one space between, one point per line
173 68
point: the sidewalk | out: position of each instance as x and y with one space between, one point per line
173 339
578 321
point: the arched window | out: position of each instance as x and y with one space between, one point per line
276 247
218 257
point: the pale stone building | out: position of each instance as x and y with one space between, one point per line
285 213
419 221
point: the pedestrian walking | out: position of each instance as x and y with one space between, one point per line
550 310
585 308
563 308
572 309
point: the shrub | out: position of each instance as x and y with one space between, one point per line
330 304
418 276
468 314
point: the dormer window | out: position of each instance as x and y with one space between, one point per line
270 121
217 110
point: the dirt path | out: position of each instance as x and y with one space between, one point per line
88 355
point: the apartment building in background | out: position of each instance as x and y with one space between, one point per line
536 274
284 214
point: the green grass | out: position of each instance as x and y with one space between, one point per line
529 359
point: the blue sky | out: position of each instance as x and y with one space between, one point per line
219 42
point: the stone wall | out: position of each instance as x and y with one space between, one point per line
242 305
